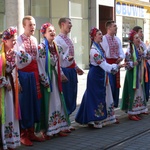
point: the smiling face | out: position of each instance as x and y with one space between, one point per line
29 27
50 33
98 37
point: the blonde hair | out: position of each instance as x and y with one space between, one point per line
26 18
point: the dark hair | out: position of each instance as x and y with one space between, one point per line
137 28
108 23
63 20
131 50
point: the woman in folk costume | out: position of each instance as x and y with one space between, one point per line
54 117
96 108
9 107
133 98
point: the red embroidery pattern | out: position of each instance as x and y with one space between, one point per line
69 43
29 45
113 46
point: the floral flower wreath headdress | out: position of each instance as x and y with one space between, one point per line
44 27
93 32
8 33
131 35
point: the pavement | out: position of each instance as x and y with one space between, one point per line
128 135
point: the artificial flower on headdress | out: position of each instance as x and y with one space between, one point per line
131 35
93 32
44 27
8 33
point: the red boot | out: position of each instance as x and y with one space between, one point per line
24 138
33 137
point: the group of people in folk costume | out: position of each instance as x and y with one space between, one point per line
38 83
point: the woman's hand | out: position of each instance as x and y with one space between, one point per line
119 60
122 65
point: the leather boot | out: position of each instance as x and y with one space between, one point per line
24 138
32 136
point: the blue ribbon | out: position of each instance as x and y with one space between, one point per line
99 48
46 63
137 75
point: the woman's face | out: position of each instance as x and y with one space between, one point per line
98 37
136 40
50 33
10 43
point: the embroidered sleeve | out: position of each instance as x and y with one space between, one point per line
44 80
41 65
41 51
111 68
121 52
23 57
3 82
98 58
63 54
114 69
128 60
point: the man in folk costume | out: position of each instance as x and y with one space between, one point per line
30 95
68 64
114 54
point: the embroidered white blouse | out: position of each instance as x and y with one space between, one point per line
96 59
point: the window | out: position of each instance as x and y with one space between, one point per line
79 8
2 12
128 24
40 8
37 8
80 38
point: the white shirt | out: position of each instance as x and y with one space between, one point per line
64 52
23 59
105 46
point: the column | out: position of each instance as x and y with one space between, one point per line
14 12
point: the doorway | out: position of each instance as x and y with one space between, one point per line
105 13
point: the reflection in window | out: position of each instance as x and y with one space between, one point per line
128 24
40 8
79 8
80 38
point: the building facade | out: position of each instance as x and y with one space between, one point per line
84 15
130 13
